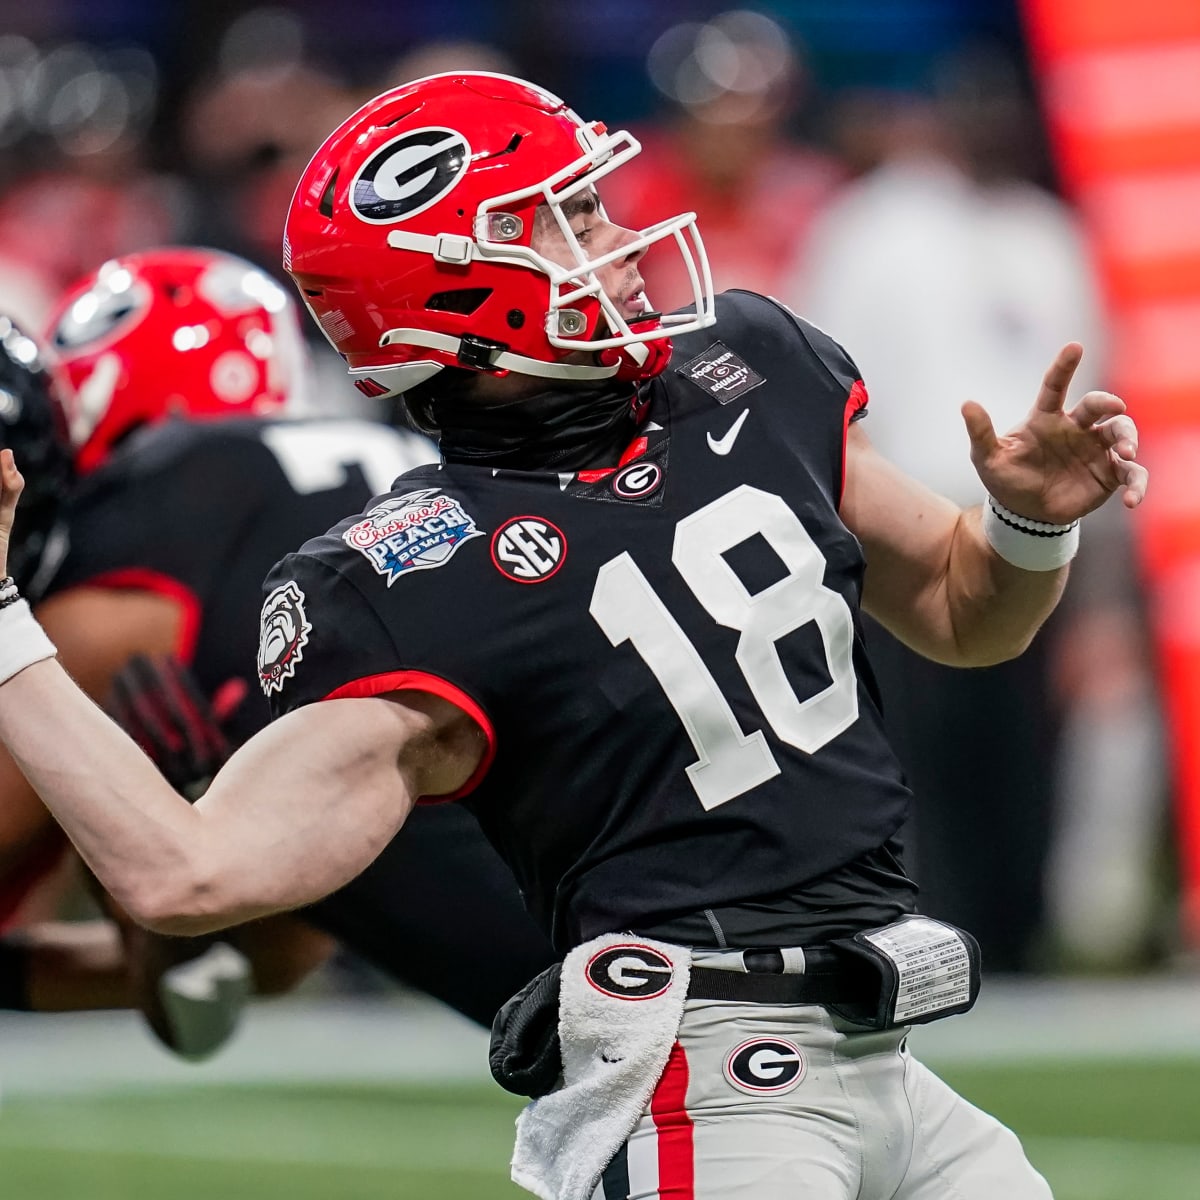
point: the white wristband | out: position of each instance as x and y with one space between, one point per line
1028 544
22 640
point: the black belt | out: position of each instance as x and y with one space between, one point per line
827 978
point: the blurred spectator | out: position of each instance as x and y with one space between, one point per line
78 187
1108 886
954 277
249 128
435 58
724 152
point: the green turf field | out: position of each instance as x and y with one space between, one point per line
1099 1131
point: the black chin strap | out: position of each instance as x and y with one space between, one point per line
558 430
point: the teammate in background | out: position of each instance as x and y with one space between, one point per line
726 148
31 424
621 619
168 534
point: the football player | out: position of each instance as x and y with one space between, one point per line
621 622
166 538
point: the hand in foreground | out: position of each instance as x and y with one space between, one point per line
12 483
160 705
191 990
1057 465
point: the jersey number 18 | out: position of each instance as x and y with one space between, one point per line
624 605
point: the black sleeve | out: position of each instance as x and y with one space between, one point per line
825 355
320 639
319 636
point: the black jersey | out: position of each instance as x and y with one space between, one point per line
200 511
666 657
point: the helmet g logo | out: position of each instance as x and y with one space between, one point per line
408 174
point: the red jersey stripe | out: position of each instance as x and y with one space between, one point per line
854 402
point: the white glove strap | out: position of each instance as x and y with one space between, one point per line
1028 544
22 640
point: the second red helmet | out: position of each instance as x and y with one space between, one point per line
172 332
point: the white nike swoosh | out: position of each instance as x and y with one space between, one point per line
725 444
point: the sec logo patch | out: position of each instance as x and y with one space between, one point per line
529 549
765 1066
630 972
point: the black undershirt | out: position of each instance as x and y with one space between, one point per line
873 890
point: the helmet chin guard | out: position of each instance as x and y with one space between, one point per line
410 237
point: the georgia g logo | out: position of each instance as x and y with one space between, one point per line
765 1066
283 634
408 174
630 972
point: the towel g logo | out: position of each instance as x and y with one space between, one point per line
630 972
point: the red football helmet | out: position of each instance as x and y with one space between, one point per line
409 237
173 332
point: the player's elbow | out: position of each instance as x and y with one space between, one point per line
990 648
181 903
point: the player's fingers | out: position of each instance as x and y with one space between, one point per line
121 711
124 710
228 698
12 478
979 428
1057 379
145 701
190 714
1134 478
1121 433
1096 407
12 482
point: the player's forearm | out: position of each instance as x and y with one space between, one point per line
993 608
142 840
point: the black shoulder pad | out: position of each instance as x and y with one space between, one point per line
829 353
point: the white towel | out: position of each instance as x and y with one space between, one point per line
620 1005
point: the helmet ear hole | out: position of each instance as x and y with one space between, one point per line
460 300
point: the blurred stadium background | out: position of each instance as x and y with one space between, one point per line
950 188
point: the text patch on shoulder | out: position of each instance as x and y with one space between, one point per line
721 373
414 532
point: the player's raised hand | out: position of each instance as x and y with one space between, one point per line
12 483
1058 465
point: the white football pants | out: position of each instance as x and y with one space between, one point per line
785 1102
